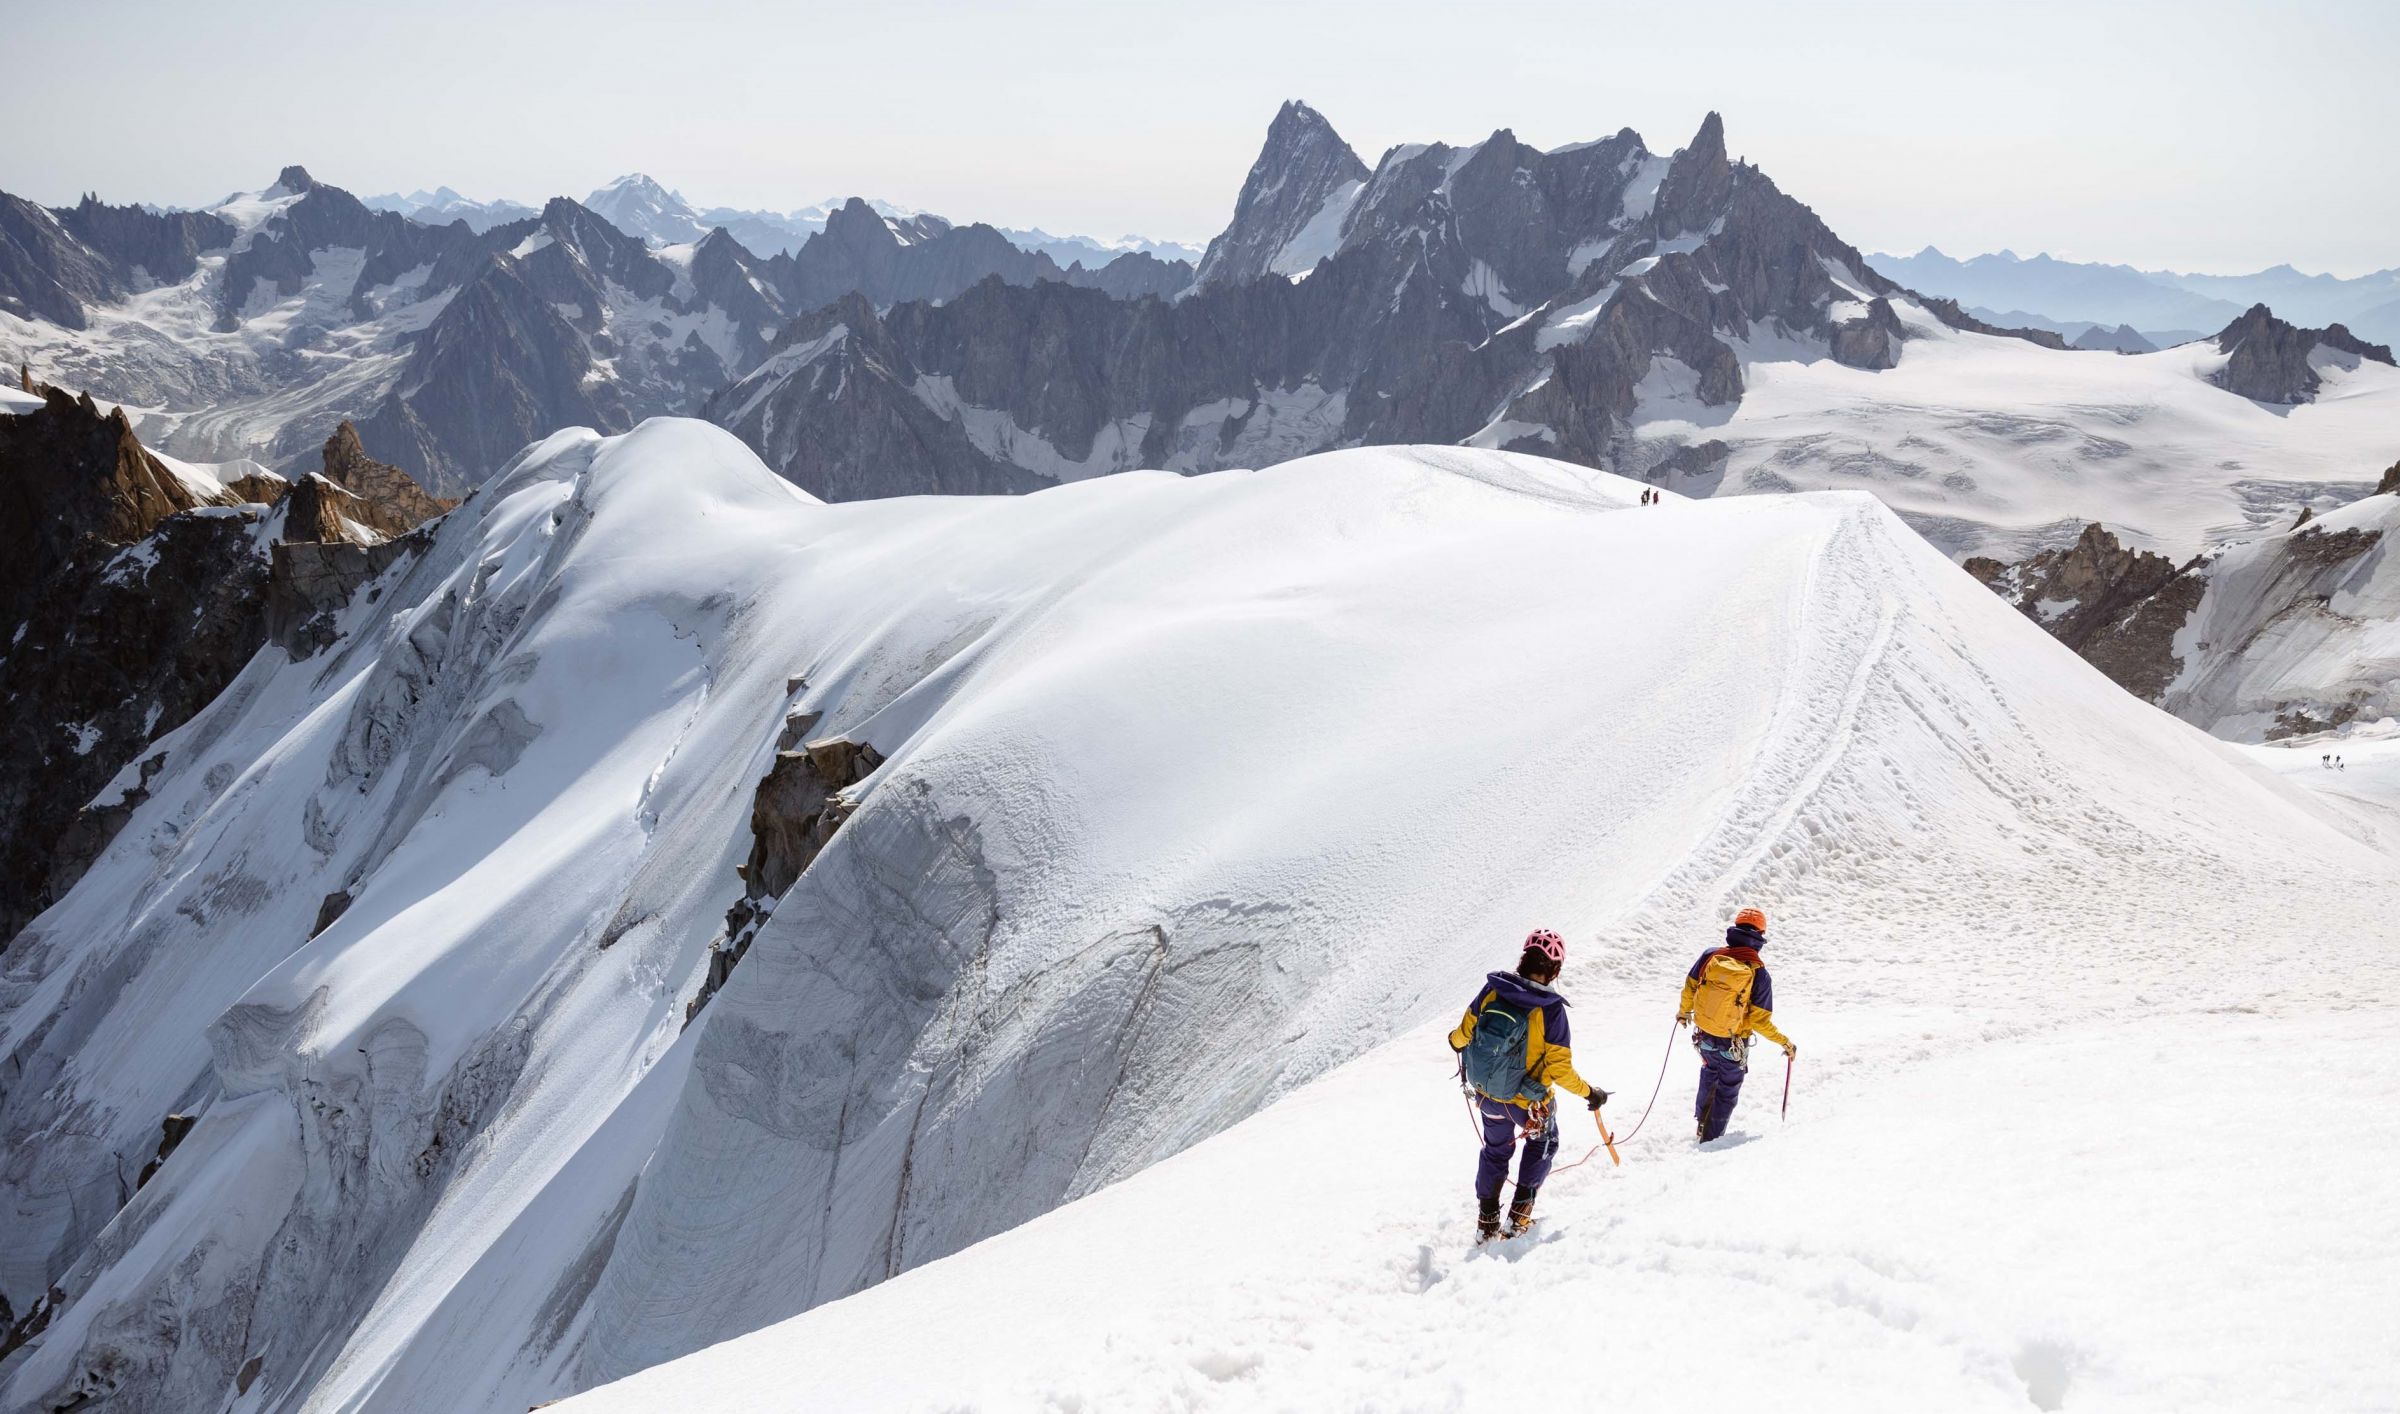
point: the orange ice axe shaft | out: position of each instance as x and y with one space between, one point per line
1605 1138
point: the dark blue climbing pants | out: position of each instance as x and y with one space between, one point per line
1721 1073
1501 1126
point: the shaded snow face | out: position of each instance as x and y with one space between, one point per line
2297 632
1193 789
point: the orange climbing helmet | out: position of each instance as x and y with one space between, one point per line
1751 918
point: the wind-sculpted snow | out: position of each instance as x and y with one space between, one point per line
1191 790
2055 963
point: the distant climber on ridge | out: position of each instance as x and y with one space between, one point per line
1512 1047
1729 997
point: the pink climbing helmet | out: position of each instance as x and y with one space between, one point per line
1548 944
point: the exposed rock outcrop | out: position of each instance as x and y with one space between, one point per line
171 1132
137 598
2275 362
800 802
388 500
2118 606
1872 340
2260 639
70 475
309 582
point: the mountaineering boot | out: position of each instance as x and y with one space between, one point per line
1520 1213
1487 1218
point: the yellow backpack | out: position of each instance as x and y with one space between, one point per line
1724 1001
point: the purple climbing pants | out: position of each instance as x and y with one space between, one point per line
1500 1127
1720 1084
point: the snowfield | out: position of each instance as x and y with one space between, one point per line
1198 795
1995 446
2125 1215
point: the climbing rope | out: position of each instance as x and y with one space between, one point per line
1475 1124
1662 1082
1607 1140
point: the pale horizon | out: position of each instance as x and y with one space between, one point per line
2088 133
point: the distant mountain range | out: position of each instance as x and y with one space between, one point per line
1675 316
2156 302
641 206
252 328
1669 315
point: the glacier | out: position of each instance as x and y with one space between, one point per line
1202 803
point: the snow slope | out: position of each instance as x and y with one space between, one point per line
1195 790
2126 1215
2368 782
2307 621
1996 446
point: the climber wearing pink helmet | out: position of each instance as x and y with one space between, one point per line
1512 1047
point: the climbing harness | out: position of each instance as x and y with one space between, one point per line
1532 1130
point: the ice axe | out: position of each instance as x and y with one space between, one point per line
1605 1138
1788 1058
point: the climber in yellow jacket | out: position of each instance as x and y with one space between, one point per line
1729 997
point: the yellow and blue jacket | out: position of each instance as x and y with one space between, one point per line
1548 1061
1728 993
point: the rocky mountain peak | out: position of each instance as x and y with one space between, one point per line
642 208
295 179
854 220
1298 128
1301 171
2118 606
2254 321
389 500
316 511
2270 360
1698 182
2123 339
73 473
638 182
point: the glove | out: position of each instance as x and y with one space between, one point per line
1790 1051
1596 1099
1682 1019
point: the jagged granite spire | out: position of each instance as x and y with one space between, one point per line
390 500
1304 165
1697 185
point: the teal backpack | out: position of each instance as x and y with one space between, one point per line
1494 1061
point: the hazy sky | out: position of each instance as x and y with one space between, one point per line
2196 135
